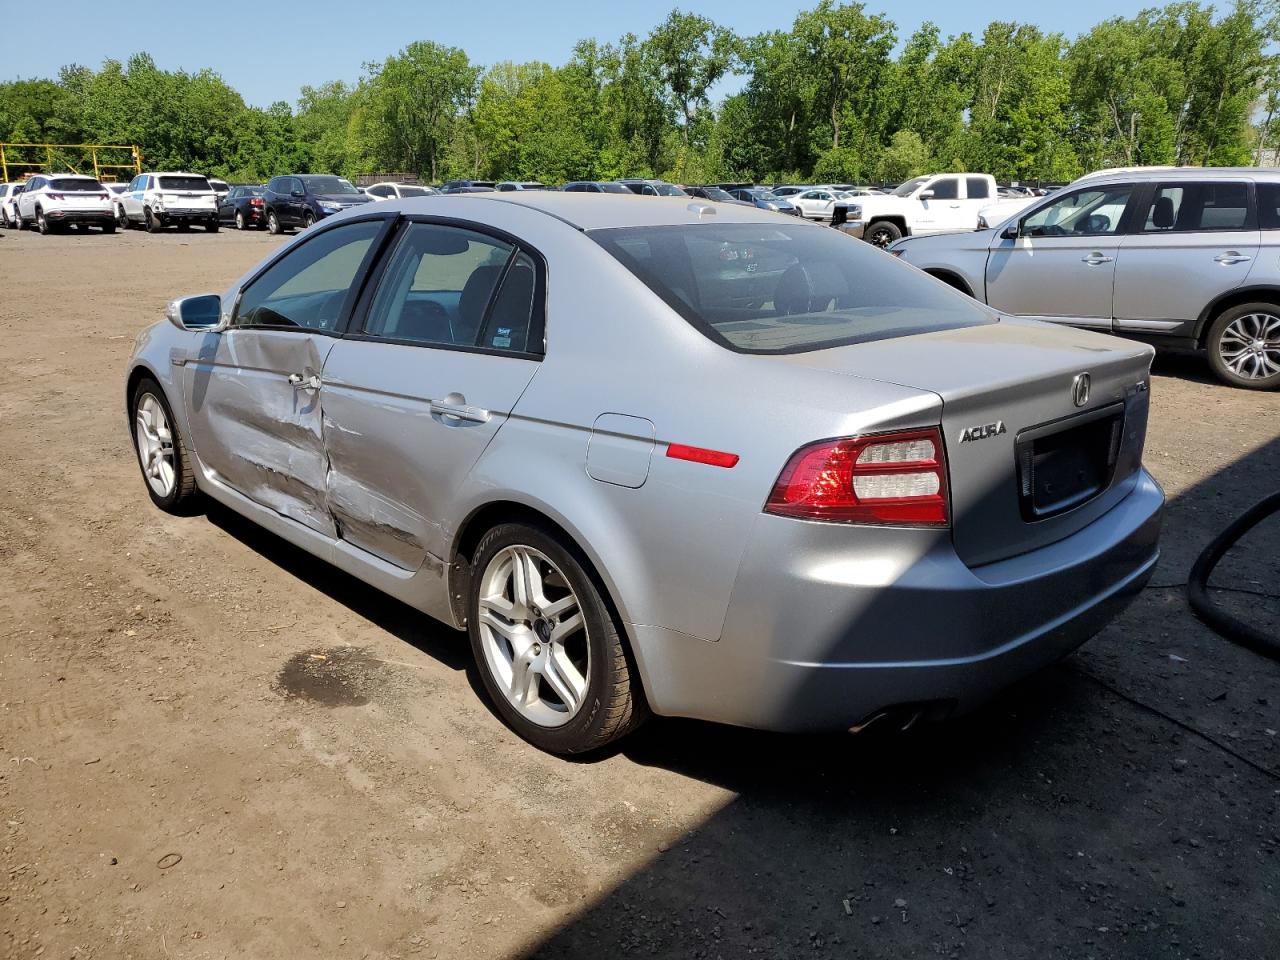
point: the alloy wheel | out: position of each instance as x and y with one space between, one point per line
534 636
1250 346
154 438
239 220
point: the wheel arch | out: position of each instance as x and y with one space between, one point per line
1262 293
897 219
951 278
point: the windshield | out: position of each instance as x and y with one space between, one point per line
669 190
715 193
184 183
908 188
761 288
766 195
329 186
613 188
75 184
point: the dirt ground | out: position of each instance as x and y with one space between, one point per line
212 746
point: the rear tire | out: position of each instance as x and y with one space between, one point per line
43 224
109 227
1244 346
882 233
522 652
122 218
240 224
162 454
273 224
212 226
152 222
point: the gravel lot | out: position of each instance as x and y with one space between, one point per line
213 746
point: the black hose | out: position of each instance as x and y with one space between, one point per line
1231 627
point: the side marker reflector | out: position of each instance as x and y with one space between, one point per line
712 458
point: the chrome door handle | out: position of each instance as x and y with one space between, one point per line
1231 257
455 407
306 383
1094 259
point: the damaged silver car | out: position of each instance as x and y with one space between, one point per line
665 456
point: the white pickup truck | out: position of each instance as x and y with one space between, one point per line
939 203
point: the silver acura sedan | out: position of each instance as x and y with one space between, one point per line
660 455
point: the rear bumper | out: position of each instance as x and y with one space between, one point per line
186 216
829 625
855 228
80 216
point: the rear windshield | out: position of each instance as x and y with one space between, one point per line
184 183
328 186
413 192
73 184
761 288
669 190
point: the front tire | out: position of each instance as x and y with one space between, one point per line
1244 346
273 224
122 218
549 650
162 454
883 233
309 220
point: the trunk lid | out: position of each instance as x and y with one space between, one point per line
1027 465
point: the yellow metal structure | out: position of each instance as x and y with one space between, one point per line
25 159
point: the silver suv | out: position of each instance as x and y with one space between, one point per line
1180 257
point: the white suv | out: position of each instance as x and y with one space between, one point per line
159 200
398 191
51 202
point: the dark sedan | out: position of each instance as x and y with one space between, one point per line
244 206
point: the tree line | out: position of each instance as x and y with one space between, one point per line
835 97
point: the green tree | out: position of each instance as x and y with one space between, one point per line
691 54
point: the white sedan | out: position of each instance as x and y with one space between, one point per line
818 203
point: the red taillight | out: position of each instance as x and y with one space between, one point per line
713 458
255 202
55 196
898 479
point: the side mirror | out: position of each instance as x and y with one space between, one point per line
202 312
1012 231
925 194
298 193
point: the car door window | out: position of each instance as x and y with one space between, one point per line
441 285
947 188
308 287
1269 206
977 188
1183 207
1086 213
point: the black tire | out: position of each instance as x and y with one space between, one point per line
42 223
308 220
122 218
152 222
882 233
240 224
1216 347
19 223
183 226
273 224
109 227
613 704
184 495
212 226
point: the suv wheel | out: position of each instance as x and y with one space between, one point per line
883 233
122 218
1244 346
211 226
550 653
240 225
308 220
273 223
42 223
162 455
152 221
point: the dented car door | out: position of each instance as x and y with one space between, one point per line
254 389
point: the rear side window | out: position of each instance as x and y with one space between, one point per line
446 286
764 288
184 183
308 286
1269 206
978 188
1183 207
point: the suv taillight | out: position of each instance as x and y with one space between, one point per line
55 196
255 202
898 479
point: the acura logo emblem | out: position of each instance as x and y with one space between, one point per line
1080 389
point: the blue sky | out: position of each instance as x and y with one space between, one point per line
269 50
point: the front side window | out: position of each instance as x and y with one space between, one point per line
1182 207
1086 213
441 287
308 287
764 288
977 188
910 187
948 188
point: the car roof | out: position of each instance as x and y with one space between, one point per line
592 211
1180 173
173 173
